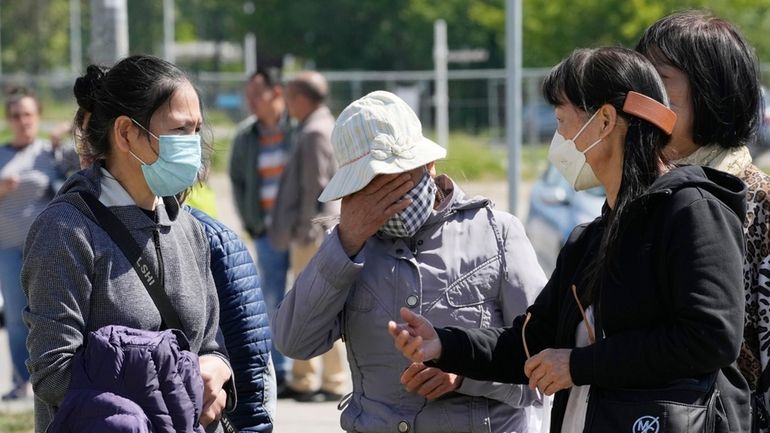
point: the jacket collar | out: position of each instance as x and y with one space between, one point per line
727 188
113 195
319 113
96 180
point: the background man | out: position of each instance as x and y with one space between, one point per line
308 171
256 163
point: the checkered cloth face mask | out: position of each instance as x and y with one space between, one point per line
406 223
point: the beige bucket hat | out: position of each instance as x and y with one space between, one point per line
377 134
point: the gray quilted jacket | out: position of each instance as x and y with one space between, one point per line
468 266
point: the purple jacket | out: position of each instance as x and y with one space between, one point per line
131 380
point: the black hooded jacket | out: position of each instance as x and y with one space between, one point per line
671 304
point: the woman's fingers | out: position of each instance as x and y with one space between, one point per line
531 364
538 375
410 373
413 347
213 411
381 181
430 385
402 340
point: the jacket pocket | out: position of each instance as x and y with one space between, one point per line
476 287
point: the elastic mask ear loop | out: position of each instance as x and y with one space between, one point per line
155 136
582 129
585 125
151 134
591 146
136 157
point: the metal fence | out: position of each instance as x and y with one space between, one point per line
476 96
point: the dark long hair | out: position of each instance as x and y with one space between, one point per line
722 71
589 79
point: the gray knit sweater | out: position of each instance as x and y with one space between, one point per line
77 280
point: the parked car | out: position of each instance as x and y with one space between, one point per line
539 122
554 210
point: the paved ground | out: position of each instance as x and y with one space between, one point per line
292 417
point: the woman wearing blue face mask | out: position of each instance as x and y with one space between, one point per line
141 120
640 325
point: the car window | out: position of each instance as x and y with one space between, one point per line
596 192
552 177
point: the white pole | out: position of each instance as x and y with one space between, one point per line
440 54
250 53
76 42
513 47
1 57
109 31
121 28
168 30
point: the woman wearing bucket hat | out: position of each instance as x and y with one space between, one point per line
408 239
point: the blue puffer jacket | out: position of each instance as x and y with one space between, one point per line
129 380
244 323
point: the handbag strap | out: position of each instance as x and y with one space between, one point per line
120 235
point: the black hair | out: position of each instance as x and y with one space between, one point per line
270 77
589 79
135 87
16 94
722 71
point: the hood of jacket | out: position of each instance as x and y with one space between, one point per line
729 189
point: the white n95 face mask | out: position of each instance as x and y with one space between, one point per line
570 162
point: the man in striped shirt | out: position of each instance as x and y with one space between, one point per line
257 160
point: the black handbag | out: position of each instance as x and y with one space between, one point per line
688 405
152 282
760 419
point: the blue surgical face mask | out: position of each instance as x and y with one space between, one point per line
179 159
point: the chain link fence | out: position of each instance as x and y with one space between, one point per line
476 97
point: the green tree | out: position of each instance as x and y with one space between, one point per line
35 35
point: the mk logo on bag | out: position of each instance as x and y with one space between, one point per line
646 424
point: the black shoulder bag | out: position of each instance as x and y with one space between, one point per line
120 235
760 419
687 405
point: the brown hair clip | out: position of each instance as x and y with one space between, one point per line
646 108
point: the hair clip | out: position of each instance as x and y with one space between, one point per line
644 107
